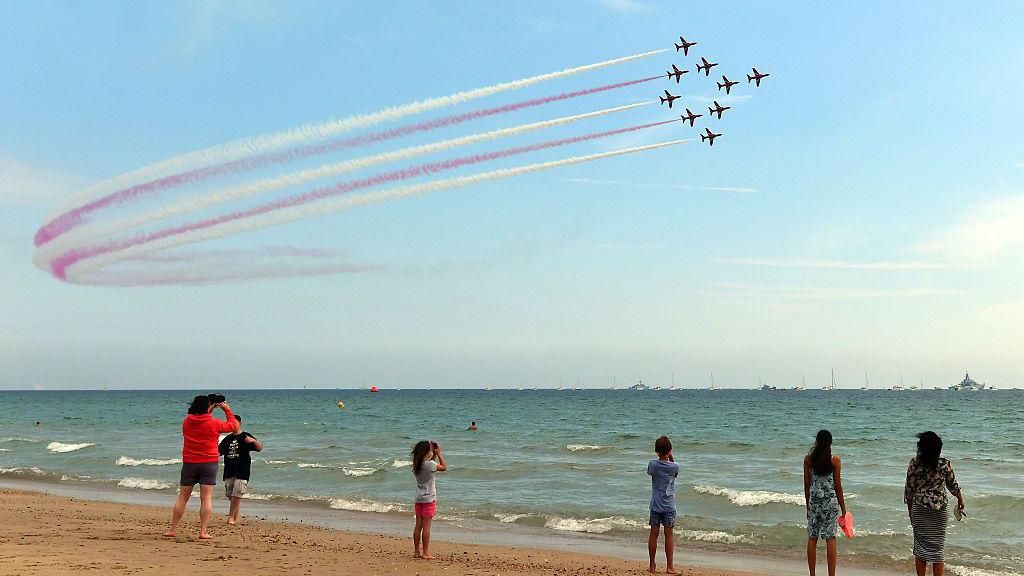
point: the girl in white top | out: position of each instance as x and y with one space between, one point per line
424 468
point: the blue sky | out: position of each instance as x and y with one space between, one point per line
864 210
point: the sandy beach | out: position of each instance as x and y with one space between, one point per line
46 535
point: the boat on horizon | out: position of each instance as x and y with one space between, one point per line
967 384
639 386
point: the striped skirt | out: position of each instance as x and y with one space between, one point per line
929 532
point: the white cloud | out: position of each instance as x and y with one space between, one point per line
818 293
625 5
837 264
986 230
23 184
623 183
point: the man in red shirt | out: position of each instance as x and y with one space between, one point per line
199 456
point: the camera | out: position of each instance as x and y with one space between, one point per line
216 398
433 444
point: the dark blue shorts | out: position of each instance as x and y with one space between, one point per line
666 519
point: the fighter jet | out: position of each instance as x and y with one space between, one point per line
709 136
685 46
706 66
690 116
727 85
677 73
668 98
718 109
756 77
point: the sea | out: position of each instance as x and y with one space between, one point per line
569 460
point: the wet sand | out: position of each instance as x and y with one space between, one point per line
44 535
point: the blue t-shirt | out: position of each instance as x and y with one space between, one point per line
663 485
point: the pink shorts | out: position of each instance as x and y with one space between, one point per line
426 509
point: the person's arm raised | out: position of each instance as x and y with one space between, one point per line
228 424
441 466
256 444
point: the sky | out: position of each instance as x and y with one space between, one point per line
863 212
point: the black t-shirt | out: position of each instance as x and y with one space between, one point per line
236 450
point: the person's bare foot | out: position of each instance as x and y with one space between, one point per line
232 522
170 534
205 536
653 569
426 556
671 570
416 554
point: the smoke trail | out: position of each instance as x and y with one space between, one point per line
75 217
60 264
78 271
203 276
97 230
259 144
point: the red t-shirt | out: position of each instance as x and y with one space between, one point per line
201 433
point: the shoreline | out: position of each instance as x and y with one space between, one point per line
511 548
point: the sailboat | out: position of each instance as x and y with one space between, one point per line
865 386
712 387
833 386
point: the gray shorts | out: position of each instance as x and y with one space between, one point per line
235 487
204 473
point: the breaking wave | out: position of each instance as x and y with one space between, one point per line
144 484
593 525
509 518
716 536
19 439
583 447
401 463
311 465
126 461
751 497
363 505
60 447
358 472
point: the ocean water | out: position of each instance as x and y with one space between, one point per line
572 460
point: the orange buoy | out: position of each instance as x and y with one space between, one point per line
373 388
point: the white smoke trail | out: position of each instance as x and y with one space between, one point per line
240 148
79 272
87 232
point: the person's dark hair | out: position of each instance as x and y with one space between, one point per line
199 405
820 455
473 422
929 448
239 418
663 446
419 454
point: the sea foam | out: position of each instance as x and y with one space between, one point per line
582 447
144 484
363 505
751 497
713 536
593 525
358 472
126 461
60 447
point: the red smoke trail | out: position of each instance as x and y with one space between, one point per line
77 216
60 264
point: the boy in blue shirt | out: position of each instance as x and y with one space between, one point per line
663 472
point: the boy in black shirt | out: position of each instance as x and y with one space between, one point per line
235 448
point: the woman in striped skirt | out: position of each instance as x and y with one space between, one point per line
928 478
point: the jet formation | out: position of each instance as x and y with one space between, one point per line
705 65
677 73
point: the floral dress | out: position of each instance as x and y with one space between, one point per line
822 507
